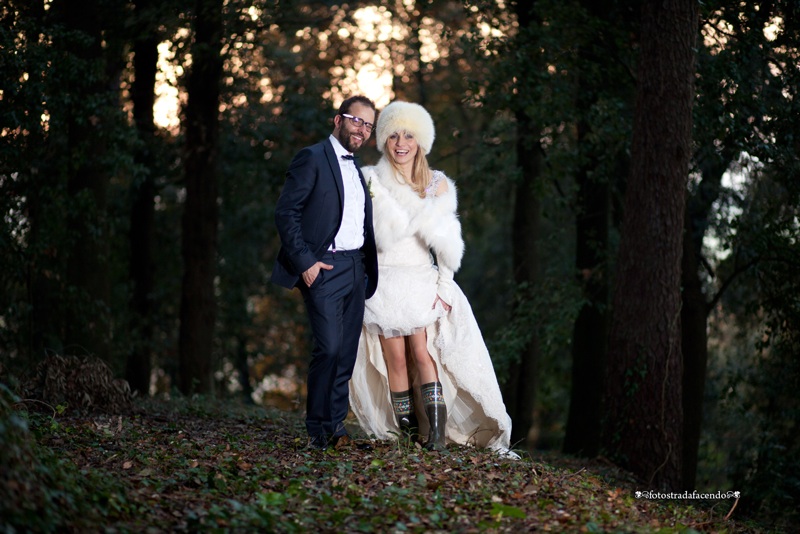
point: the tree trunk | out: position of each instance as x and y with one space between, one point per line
593 217
45 322
590 332
89 122
143 190
199 239
243 366
694 347
695 310
520 391
643 430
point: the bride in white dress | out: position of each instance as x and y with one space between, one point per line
446 386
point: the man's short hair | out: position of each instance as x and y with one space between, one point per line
347 104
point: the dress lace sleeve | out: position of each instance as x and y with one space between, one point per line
436 179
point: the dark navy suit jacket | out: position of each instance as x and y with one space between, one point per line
309 213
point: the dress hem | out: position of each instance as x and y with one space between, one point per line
393 332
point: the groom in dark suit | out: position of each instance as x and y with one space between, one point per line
324 219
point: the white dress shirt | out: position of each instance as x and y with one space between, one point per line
351 232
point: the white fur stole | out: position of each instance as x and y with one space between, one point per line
399 212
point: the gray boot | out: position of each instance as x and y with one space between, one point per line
436 411
403 405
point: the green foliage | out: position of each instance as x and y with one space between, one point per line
485 195
548 311
64 136
563 70
752 411
745 124
257 144
41 491
754 371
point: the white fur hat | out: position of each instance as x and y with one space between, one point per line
406 117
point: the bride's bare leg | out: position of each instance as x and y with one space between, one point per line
394 352
425 365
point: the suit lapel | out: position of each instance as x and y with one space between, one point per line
367 196
336 171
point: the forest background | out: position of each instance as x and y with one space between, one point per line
628 187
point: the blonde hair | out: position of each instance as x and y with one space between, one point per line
421 174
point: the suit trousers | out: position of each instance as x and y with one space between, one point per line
335 306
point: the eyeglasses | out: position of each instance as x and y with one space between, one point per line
358 122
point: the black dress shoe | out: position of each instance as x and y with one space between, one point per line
319 443
344 441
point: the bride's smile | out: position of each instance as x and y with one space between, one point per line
403 148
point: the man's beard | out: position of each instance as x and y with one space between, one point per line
345 140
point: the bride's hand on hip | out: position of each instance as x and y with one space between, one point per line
445 305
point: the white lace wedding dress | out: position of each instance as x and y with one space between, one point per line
407 229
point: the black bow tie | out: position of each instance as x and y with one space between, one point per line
348 156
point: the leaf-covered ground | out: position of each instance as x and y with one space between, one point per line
191 466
